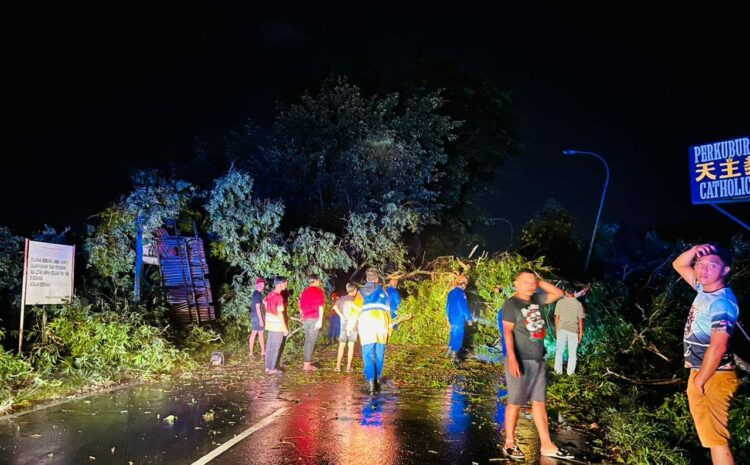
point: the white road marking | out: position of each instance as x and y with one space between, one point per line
232 442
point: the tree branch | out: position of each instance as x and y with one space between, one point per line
649 382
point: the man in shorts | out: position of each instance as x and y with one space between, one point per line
256 318
347 336
710 323
525 367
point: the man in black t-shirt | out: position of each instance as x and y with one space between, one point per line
525 367
256 318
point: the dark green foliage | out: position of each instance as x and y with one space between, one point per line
630 373
377 239
84 347
11 261
493 279
739 423
110 248
639 440
315 252
110 245
427 292
16 373
425 296
551 234
106 345
338 151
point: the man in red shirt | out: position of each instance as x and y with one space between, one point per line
311 303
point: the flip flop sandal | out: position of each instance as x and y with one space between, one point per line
514 453
560 454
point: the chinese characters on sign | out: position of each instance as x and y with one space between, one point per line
720 171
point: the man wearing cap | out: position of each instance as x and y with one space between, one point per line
458 313
276 324
311 304
347 337
394 299
256 318
371 315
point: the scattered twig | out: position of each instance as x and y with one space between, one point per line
654 382
652 348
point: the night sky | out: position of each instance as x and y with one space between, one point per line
95 93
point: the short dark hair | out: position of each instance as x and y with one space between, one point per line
724 254
278 280
312 277
525 270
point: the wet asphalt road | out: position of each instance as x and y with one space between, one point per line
327 419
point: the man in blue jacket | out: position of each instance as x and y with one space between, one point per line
457 310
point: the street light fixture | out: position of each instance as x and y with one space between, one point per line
509 224
601 203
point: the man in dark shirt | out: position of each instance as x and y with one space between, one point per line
256 318
525 367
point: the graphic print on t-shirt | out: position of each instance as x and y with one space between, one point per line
534 321
710 312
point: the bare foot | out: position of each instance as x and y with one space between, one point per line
337 369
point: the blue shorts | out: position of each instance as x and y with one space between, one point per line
255 323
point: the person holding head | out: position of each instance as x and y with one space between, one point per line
710 323
256 318
277 321
458 313
311 304
371 315
347 337
525 366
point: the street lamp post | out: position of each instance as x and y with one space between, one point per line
509 225
601 203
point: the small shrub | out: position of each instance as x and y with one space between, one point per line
638 439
